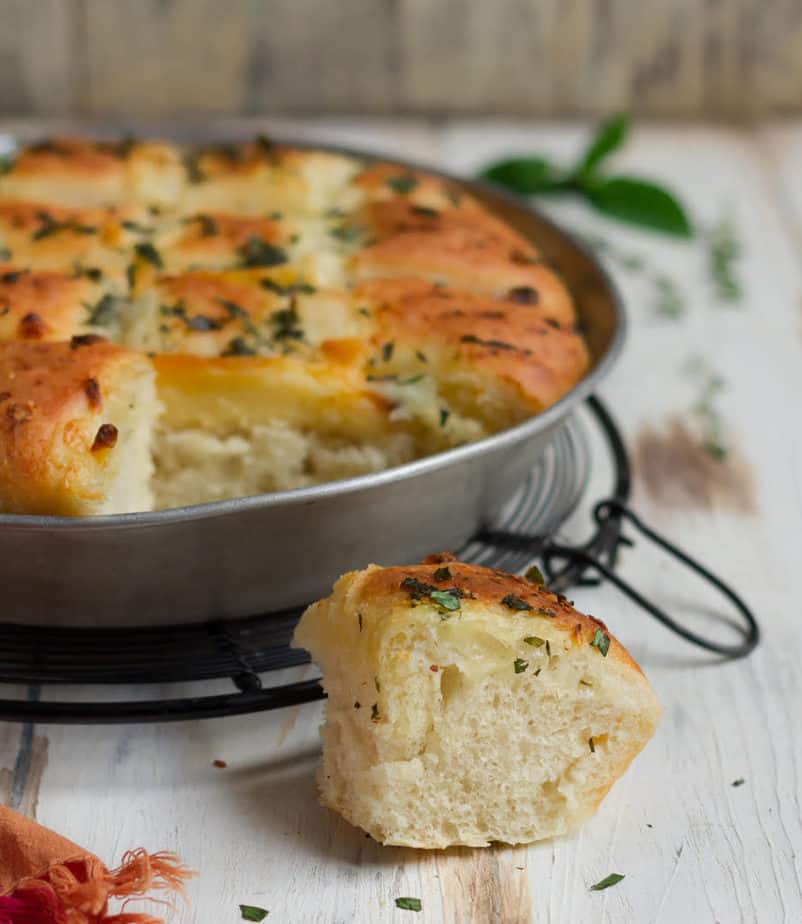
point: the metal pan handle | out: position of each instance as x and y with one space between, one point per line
568 564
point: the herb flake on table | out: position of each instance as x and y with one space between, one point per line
739 782
724 249
611 880
669 301
409 904
705 409
519 665
253 913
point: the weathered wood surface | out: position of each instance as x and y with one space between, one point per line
730 58
693 847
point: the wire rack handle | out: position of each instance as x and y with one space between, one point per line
560 560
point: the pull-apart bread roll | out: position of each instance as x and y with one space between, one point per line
75 428
466 706
307 316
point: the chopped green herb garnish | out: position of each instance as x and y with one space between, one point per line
739 782
535 576
514 602
146 251
670 302
416 588
252 913
193 168
374 712
90 272
286 322
208 226
387 351
136 227
348 234
238 347
359 617
490 344
425 211
601 640
520 665
258 252
535 641
402 184
202 322
724 250
444 415
409 904
611 880
104 312
48 225
443 574
421 356
592 745
412 380
265 145
447 599
130 274
234 310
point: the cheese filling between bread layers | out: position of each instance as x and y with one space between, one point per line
306 316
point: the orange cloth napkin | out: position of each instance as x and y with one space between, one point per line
46 879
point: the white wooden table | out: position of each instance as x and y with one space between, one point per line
693 847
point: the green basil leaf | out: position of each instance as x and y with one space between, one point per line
409 904
610 135
640 202
525 175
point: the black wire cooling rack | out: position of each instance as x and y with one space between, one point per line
61 662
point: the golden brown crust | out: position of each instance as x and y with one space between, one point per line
75 157
43 236
52 398
214 240
507 593
46 305
470 251
514 342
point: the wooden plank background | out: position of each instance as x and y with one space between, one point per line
160 58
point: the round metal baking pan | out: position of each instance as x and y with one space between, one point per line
274 551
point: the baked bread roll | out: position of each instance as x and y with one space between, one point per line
467 706
310 316
76 422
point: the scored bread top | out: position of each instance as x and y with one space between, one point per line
396 281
